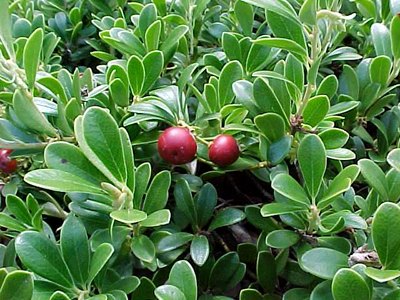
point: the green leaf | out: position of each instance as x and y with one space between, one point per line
296 293
323 262
173 241
271 125
32 50
231 46
126 284
11 223
157 218
340 184
308 14
128 158
119 92
227 217
17 285
183 277
142 177
99 259
282 239
152 36
250 294
18 208
294 71
153 64
395 34
205 202
275 209
75 249
316 110
169 292
227 272
184 200
287 186
381 39
245 14
285 26
266 271
349 285
129 216
172 40
266 98
59 296
157 194
328 86
61 181
374 177
232 71
348 83
279 6
334 138
199 250
312 160
148 15
136 74
41 255
98 136
285 44
382 275
100 297
322 291
387 243
393 159
143 248
69 158
5 29
278 150
28 113
380 69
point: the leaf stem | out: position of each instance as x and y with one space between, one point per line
313 58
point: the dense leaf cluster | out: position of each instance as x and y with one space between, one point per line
309 90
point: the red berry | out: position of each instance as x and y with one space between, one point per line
177 145
224 150
7 165
5 152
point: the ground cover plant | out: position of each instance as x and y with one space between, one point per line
199 149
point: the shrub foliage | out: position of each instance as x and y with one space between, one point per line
308 89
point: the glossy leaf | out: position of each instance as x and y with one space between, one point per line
226 217
387 243
143 248
32 50
323 262
374 176
312 160
99 259
290 188
75 249
157 194
348 284
42 256
199 250
17 285
183 277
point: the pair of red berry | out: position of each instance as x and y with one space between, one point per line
7 165
177 146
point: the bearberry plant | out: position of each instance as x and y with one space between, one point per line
199 149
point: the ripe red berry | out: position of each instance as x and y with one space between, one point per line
7 165
177 145
224 150
5 152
